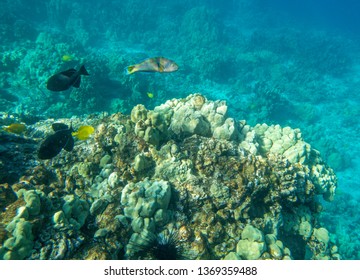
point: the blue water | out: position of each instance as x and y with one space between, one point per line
293 63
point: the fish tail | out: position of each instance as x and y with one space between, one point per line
130 69
83 71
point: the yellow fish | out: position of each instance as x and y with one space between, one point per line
150 95
16 128
83 132
66 58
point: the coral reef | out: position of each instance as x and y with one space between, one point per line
222 188
267 68
344 232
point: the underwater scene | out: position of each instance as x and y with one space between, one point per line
178 129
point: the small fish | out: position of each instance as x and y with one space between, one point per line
150 95
64 80
83 132
16 128
66 58
155 64
53 144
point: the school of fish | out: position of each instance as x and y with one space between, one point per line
63 136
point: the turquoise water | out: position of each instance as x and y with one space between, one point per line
293 64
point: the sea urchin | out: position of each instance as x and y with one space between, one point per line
163 246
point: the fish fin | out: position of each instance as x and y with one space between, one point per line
69 144
83 71
76 84
59 126
130 69
69 73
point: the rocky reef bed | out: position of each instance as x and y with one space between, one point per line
221 189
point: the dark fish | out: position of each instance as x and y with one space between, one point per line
66 79
53 144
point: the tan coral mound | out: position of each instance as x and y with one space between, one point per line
227 189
